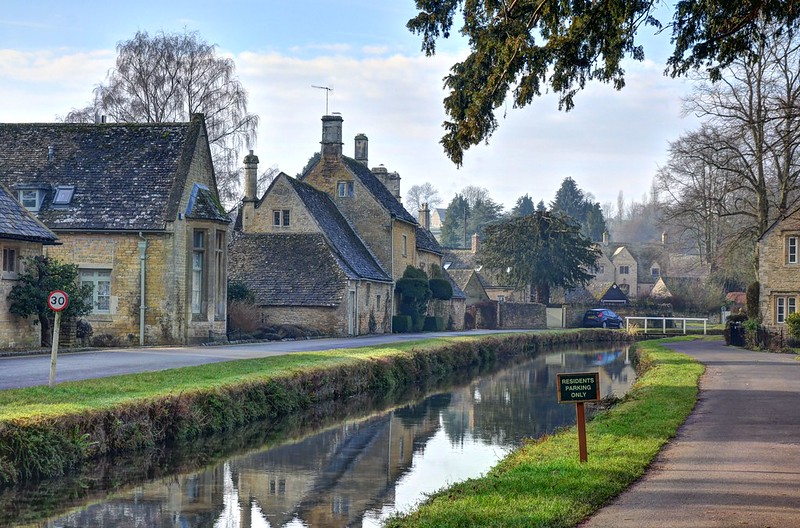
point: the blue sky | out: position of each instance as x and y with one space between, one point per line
52 53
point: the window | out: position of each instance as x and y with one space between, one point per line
784 306
198 261
366 297
624 270
281 217
100 279
655 272
599 269
791 247
404 249
378 302
345 189
219 269
30 199
63 195
9 260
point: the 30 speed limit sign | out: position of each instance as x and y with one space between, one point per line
57 300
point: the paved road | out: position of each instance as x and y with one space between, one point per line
736 461
28 371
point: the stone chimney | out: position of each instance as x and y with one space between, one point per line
362 149
475 243
250 184
605 238
664 238
331 137
390 180
425 216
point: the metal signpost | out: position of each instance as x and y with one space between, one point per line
578 388
57 300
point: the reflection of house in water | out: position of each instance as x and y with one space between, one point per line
339 475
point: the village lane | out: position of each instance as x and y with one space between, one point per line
31 370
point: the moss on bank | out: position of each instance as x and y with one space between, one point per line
44 431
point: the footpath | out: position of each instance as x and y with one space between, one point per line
736 460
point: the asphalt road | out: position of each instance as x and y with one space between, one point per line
29 371
736 460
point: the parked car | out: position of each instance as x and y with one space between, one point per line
601 318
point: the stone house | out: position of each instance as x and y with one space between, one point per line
778 270
136 208
365 240
305 263
21 236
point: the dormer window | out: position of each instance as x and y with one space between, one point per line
655 272
31 199
345 189
63 194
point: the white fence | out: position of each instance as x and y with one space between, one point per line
664 320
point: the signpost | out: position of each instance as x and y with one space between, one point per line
578 388
57 300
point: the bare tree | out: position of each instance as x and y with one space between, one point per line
168 77
420 194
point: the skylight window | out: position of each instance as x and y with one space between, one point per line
63 194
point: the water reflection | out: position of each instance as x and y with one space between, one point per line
358 471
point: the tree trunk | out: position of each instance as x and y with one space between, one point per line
47 330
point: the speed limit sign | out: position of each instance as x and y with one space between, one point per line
57 300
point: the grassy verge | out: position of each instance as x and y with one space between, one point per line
543 484
44 431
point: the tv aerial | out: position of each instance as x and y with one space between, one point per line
328 90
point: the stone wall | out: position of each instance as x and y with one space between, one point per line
17 332
522 315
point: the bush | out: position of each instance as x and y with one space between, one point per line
105 341
401 324
243 317
239 291
433 324
793 325
441 289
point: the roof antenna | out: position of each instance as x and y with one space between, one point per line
327 92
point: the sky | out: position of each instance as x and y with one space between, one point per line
54 52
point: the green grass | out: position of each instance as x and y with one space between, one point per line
76 397
543 483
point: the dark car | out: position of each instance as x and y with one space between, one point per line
601 318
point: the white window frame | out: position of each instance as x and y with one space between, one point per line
198 270
404 247
345 189
791 250
281 217
784 306
101 297
27 195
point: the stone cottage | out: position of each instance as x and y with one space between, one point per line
136 208
779 270
21 236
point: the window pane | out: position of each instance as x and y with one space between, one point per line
286 217
791 308
276 218
199 239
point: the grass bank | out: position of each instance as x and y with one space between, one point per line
543 484
45 431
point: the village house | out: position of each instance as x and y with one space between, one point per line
21 236
136 208
778 267
324 250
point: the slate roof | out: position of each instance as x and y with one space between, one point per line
17 223
353 255
126 176
458 293
427 242
373 185
265 262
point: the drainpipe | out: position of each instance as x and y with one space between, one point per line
391 271
142 306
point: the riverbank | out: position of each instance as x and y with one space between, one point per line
45 431
544 485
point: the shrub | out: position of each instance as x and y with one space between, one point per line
239 291
793 324
441 289
401 324
105 340
433 324
243 317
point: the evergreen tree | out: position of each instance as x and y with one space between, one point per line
523 207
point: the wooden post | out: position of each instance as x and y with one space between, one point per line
581 419
54 348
